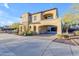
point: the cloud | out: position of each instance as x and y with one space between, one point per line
6 5
2 23
9 22
7 19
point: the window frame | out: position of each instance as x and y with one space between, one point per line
35 17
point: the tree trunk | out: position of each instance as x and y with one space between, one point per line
67 31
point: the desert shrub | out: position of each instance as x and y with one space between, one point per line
66 36
76 33
62 36
59 36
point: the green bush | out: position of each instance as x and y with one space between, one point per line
62 36
22 33
76 33
66 36
27 33
30 33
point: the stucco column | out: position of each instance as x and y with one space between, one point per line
32 28
59 28
21 29
37 29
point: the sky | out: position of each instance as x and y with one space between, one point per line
11 12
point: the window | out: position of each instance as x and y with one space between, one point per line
49 17
53 29
34 17
48 30
45 17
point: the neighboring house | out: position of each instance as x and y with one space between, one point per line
41 22
6 29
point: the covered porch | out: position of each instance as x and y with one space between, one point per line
45 29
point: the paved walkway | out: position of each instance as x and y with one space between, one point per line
13 45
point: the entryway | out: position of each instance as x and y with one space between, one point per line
48 29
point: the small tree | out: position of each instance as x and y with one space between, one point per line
15 25
72 18
68 21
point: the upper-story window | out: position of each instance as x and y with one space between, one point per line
35 17
48 16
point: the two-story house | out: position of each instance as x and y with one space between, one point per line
41 22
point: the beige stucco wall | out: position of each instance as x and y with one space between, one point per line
54 12
56 22
38 17
21 29
25 21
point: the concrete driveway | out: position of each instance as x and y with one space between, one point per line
13 45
